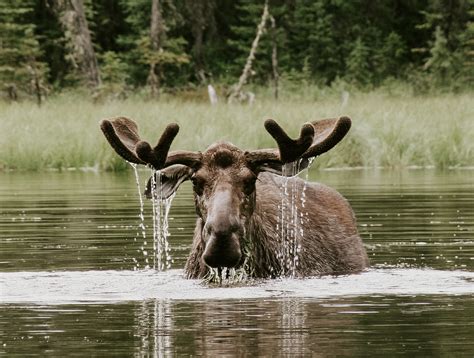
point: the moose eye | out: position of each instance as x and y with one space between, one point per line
249 185
198 184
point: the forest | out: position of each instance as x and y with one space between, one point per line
112 48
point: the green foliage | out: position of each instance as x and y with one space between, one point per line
358 64
20 67
139 54
389 56
115 76
366 43
314 41
450 48
441 62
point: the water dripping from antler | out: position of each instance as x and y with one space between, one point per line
291 217
161 258
161 207
141 226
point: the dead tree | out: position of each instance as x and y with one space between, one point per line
236 92
156 33
275 74
76 30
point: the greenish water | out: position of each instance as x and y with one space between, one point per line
72 279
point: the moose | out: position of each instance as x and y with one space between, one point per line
237 195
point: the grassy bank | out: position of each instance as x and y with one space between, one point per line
390 130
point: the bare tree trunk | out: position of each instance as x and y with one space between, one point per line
276 76
12 92
36 83
156 32
76 30
237 90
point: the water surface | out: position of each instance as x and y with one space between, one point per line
72 275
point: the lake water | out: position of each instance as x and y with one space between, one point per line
73 278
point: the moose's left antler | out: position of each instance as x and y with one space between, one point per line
122 134
315 139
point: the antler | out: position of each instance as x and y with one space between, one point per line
122 134
315 139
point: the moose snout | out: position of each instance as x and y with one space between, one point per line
222 245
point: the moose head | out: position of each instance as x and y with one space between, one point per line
223 176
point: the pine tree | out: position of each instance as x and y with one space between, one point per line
312 40
20 67
449 49
168 58
358 64
389 56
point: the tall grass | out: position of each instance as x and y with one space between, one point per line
390 130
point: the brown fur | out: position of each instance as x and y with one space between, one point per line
330 243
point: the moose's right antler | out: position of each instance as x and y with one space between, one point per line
315 138
122 134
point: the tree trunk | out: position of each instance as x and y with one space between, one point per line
276 76
35 82
237 90
76 30
156 32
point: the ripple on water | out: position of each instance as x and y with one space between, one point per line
117 286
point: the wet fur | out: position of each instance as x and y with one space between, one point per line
330 243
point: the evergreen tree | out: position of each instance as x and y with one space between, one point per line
363 41
313 40
450 25
20 67
389 56
358 64
140 53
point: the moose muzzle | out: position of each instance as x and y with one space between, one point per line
222 233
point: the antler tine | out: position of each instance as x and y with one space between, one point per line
156 157
329 132
122 134
290 149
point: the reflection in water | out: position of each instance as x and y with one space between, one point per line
425 326
293 322
153 324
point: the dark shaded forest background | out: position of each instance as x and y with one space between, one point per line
121 46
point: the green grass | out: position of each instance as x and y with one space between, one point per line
390 130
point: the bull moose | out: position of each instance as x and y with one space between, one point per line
238 200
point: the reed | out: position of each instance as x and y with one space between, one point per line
390 130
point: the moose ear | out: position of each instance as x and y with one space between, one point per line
288 169
170 179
